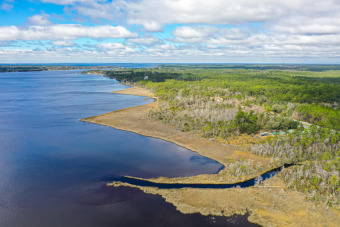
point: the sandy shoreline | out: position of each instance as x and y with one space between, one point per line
136 91
267 206
135 119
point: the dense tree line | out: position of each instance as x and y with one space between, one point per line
318 149
22 68
221 101
320 181
324 116
278 91
275 86
300 67
36 68
316 144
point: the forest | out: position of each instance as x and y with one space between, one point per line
296 105
36 68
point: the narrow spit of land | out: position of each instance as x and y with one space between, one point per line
270 204
244 184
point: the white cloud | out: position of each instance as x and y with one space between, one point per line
153 14
306 25
69 2
5 6
217 36
214 29
95 10
305 15
63 32
149 25
40 19
63 43
111 45
115 48
148 39
236 42
119 52
207 34
194 32
159 13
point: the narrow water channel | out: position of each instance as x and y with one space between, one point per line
245 184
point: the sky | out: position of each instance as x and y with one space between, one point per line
170 31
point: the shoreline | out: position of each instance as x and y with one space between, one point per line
268 205
135 119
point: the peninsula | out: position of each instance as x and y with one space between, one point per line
274 202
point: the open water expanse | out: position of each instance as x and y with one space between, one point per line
54 168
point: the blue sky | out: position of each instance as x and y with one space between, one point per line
214 31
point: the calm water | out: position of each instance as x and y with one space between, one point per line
54 168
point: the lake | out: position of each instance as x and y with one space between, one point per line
54 168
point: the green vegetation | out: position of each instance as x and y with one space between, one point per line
241 167
35 68
22 68
220 101
324 116
275 91
319 150
319 181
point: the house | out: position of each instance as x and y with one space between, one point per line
264 134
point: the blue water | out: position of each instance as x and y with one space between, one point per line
124 65
54 168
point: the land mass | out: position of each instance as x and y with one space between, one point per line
269 204
37 68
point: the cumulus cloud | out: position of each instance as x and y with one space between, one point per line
95 10
63 32
306 15
69 2
63 43
194 32
214 29
237 42
41 19
119 52
6 6
158 13
154 14
231 36
148 39
207 34
115 47
308 25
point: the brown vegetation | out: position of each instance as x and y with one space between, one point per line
268 206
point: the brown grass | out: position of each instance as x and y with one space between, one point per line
268 206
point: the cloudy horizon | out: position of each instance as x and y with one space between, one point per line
170 31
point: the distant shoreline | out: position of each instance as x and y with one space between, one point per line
41 68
